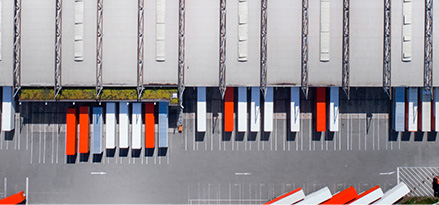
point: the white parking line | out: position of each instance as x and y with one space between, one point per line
27 137
31 144
6 183
387 133
359 134
39 149
44 155
301 134
53 146
184 132
16 132
19 132
57 141
378 133
347 133
27 190
351 140
309 134
365 133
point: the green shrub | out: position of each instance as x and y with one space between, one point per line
45 94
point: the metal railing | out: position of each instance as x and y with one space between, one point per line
222 49
58 47
99 49
140 49
304 79
263 47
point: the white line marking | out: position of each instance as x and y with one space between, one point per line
399 140
365 134
27 137
347 133
359 134
309 134
350 134
44 156
53 146
378 133
19 131
185 132
39 144
301 134
6 183
242 173
27 190
57 142
339 136
387 173
98 173
386 131
31 145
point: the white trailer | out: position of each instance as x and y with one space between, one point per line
289 198
394 194
201 109
398 109
268 110
255 110
110 126
123 125
317 197
369 196
242 109
425 110
163 124
8 109
136 121
436 108
412 111
295 109
98 126
334 109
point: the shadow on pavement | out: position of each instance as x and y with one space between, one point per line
97 158
419 136
252 136
83 157
329 136
162 151
431 137
239 136
406 136
199 137
123 152
149 152
71 159
265 136
110 152
227 136
136 153
9 135
292 136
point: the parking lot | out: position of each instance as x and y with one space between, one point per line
212 167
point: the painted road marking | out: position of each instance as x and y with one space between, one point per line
98 173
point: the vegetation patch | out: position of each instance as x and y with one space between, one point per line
77 94
419 200
68 94
160 94
42 94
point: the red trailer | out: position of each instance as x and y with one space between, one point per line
71 131
228 110
14 199
149 125
321 109
84 129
